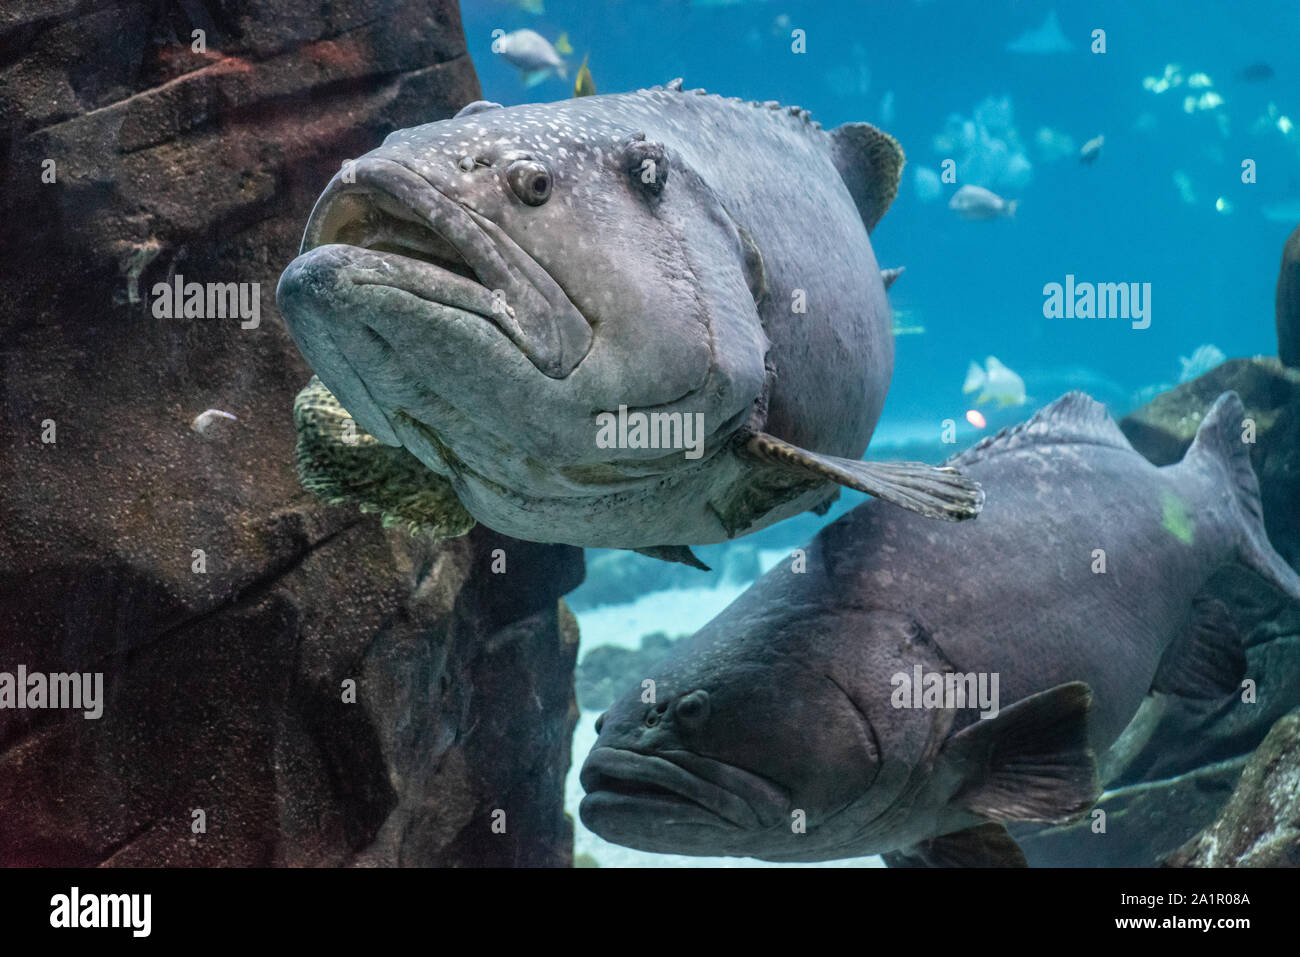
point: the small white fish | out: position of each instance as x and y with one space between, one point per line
206 423
1172 77
995 383
976 202
533 54
1204 359
1091 150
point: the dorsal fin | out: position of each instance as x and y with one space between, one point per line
797 112
1074 418
870 162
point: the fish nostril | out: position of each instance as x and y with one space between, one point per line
692 709
600 722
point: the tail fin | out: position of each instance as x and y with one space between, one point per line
1218 446
1011 208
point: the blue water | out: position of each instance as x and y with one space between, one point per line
977 287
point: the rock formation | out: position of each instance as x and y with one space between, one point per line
227 610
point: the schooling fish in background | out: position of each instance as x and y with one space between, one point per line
493 290
994 383
978 203
533 54
1287 302
788 728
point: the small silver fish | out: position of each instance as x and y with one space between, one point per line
976 202
532 53
995 383
1091 150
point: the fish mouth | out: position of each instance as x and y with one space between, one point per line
380 223
675 801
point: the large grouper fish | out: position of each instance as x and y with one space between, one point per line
493 292
788 728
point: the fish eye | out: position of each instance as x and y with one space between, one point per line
530 181
652 719
466 164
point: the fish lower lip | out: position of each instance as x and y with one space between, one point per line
655 782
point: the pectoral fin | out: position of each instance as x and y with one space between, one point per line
340 462
1207 660
674 553
1030 763
932 491
987 845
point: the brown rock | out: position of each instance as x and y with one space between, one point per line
1260 824
225 607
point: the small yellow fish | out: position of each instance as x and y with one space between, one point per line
562 45
583 84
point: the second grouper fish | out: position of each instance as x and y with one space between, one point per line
792 727
491 291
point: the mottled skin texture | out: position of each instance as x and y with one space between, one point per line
621 294
797 671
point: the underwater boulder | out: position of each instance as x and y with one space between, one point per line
323 690
1260 824
607 669
1287 302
